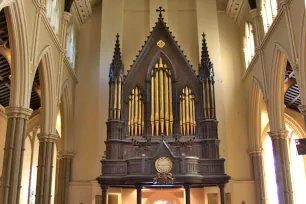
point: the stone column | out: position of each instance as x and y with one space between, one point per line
13 154
44 168
187 194
139 188
257 26
256 155
64 164
104 194
222 194
282 166
302 109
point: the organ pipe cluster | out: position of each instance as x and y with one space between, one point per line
187 112
161 100
136 113
115 82
207 79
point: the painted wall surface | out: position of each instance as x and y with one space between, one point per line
86 163
236 120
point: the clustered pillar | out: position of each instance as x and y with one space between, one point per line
13 154
257 159
64 164
282 166
44 168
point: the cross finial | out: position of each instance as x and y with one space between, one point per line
160 10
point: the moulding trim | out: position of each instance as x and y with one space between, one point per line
70 69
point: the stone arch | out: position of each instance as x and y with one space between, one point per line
20 64
256 99
48 95
275 103
66 107
162 195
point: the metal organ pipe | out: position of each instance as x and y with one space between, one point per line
136 113
161 100
187 110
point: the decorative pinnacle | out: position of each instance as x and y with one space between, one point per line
206 67
116 67
160 10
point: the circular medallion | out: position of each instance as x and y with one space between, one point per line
163 165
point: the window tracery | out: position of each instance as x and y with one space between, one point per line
249 44
269 11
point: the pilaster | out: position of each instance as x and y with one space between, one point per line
256 155
282 166
63 174
44 168
257 25
13 154
66 19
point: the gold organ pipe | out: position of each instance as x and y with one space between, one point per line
170 104
119 98
132 113
184 113
187 112
136 111
142 118
194 118
190 113
152 103
181 114
115 101
139 114
156 103
212 101
207 99
161 98
167 116
204 101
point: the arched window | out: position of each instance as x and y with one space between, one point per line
71 44
249 44
297 167
269 11
53 11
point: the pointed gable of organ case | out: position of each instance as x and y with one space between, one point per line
161 100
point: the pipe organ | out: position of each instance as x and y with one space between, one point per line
136 113
187 110
161 100
162 109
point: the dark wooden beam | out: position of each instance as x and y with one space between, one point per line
252 4
68 4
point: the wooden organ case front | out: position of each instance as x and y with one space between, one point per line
162 109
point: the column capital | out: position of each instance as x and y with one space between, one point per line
18 112
302 109
65 155
257 151
278 134
66 16
254 13
47 137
